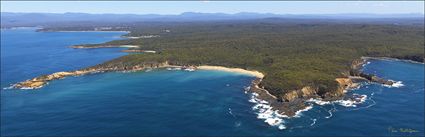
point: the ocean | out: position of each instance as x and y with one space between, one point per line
181 103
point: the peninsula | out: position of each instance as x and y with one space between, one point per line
293 59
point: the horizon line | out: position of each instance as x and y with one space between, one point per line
218 13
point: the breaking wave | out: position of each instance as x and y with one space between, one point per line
9 87
314 121
367 63
272 117
299 112
396 84
24 88
317 109
265 112
330 112
350 102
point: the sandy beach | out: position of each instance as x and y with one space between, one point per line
236 70
129 46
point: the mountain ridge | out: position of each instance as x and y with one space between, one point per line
13 19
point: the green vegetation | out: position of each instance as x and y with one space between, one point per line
292 54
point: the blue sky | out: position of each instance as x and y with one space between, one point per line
177 7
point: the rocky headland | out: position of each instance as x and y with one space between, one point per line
40 81
295 100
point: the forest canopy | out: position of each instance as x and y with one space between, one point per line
291 53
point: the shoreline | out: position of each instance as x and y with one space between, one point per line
392 59
40 29
263 94
235 70
86 31
40 81
104 46
288 105
14 28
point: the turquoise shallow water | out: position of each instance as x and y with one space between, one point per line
162 102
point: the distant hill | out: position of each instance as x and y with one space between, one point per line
9 19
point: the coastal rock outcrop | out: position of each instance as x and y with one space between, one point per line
305 92
289 103
292 101
295 100
346 83
40 81
356 71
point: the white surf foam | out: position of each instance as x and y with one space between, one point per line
265 112
238 124
352 102
299 112
230 112
346 103
10 87
148 70
24 88
189 69
314 121
174 68
396 84
270 116
246 89
319 101
330 113
367 63
281 127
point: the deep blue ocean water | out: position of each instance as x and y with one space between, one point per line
178 103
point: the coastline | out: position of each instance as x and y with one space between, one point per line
14 28
283 65
41 29
235 70
87 31
261 93
288 105
392 59
39 81
263 98
103 46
